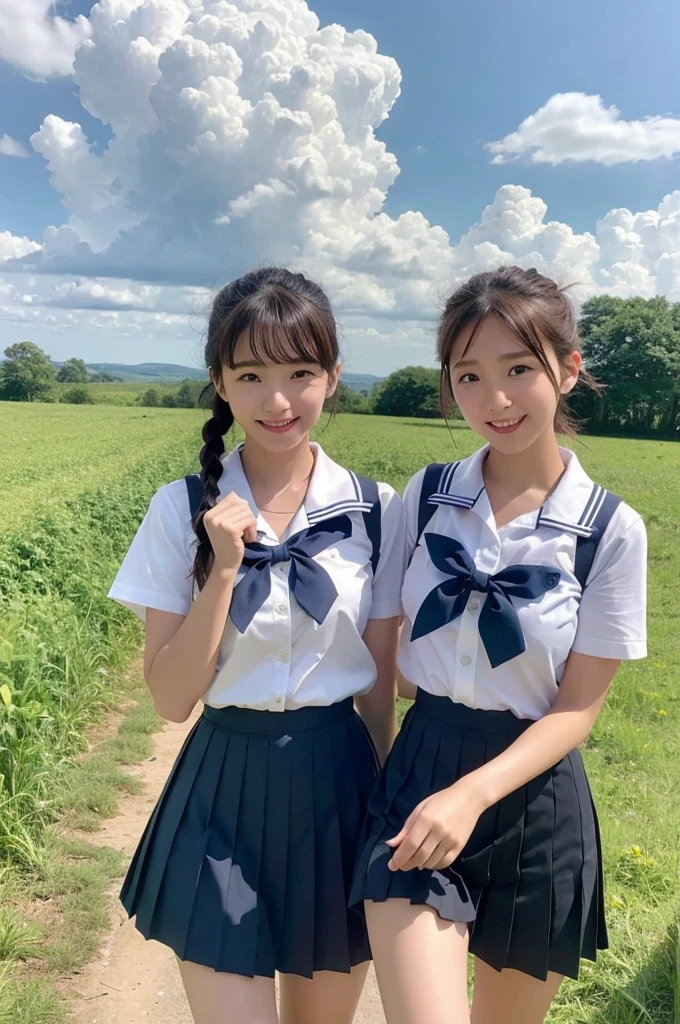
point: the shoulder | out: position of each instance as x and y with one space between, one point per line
169 512
623 521
436 476
172 498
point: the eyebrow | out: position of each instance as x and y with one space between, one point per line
247 362
258 362
523 353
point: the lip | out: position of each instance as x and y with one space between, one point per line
509 429
273 428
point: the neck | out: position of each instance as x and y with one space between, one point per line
539 467
275 472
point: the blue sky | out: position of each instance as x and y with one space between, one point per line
470 75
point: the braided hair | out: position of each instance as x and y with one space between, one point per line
286 318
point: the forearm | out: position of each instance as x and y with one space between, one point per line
184 667
543 744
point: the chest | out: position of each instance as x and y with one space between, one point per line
488 570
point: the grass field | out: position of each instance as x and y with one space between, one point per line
127 392
74 485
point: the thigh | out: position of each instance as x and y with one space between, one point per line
220 998
329 996
511 996
420 963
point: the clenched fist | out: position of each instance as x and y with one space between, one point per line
230 526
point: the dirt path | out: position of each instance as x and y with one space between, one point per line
133 981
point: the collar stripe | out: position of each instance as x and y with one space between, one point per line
337 508
589 505
556 524
355 484
451 499
596 507
447 477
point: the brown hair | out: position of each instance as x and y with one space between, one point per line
287 318
530 305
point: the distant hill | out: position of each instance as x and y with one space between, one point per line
360 381
149 371
171 372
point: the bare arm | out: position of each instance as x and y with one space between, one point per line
585 684
440 826
377 708
181 651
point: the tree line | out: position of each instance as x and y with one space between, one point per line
631 346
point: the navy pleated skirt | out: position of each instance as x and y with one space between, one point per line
246 863
529 881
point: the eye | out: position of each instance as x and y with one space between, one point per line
300 374
249 377
467 378
521 369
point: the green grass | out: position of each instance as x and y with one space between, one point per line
69 505
70 878
53 452
127 393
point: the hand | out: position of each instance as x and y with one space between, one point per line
437 829
230 526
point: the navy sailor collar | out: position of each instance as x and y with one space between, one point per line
571 507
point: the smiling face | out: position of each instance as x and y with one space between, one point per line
276 404
502 389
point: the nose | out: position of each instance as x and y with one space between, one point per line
497 400
276 403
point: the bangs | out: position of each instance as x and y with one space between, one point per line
519 319
280 328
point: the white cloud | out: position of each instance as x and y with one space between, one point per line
14 247
96 295
242 133
10 147
575 126
36 40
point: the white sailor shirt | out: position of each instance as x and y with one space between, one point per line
284 659
606 620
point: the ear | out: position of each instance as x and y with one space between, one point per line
333 378
571 369
217 384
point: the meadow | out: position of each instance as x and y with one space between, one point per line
74 483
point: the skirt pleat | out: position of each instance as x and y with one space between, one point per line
182 915
529 880
328 859
161 839
246 863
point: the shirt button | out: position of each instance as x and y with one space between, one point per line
473 606
465 660
281 609
282 656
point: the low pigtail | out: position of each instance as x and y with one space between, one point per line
214 429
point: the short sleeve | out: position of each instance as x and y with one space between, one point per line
156 571
389 574
613 608
411 505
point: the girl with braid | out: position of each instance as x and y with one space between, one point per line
269 585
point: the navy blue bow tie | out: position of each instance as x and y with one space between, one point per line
313 588
499 625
